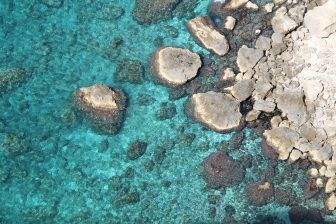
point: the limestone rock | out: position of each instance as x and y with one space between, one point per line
174 66
217 111
232 4
282 140
283 24
243 89
263 43
330 203
291 103
248 58
294 156
318 25
204 31
252 115
230 23
264 105
102 106
330 185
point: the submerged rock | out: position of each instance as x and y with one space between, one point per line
14 145
259 194
203 30
102 106
217 111
151 11
167 111
53 3
11 79
136 150
221 171
321 21
130 71
174 66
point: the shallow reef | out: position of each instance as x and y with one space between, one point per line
133 155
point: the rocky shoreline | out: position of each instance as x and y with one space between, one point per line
291 72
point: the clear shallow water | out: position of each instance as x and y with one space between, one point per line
67 175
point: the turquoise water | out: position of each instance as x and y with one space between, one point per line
64 172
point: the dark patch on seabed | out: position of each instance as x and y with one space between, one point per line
55 169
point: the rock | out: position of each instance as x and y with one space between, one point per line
312 88
152 11
321 26
110 12
167 111
330 203
320 153
136 150
230 23
262 88
102 106
259 194
330 185
232 4
297 214
281 140
243 89
204 31
264 105
228 75
252 115
283 24
294 156
248 57
53 3
10 79
269 7
129 198
130 71
14 145
292 105
218 111
263 43
310 189
251 5
174 66
221 171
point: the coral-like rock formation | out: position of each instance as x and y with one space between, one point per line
151 11
102 106
259 193
221 171
11 79
204 31
174 66
217 111
130 71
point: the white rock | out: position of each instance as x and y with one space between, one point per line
282 140
248 58
228 75
243 89
283 24
263 43
330 185
321 20
174 66
313 172
275 121
252 115
294 156
269 7
251 5
330 203
230 23
204 31
218 111
264 105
